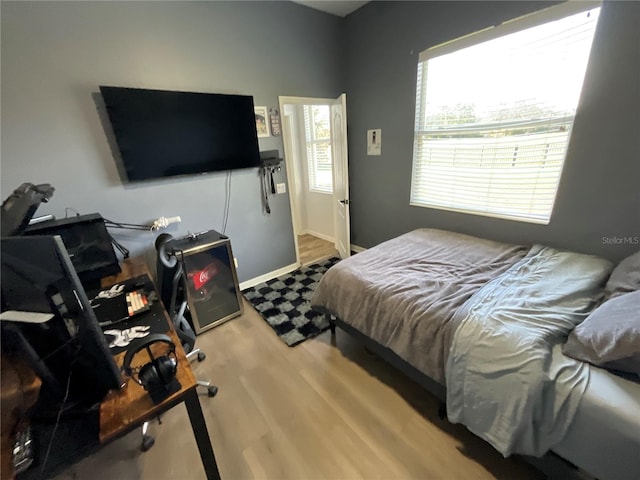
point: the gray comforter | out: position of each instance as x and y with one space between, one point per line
404 292
507 379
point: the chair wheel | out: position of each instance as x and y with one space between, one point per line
147 442
201 356
212 390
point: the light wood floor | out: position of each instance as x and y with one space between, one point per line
314 411
312 249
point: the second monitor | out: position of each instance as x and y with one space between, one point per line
88 243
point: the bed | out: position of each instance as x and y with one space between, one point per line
484 325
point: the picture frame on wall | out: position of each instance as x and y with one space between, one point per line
274 122
262 121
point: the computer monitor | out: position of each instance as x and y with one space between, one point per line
69 351
88 244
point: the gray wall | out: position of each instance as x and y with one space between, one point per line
599 194
56 54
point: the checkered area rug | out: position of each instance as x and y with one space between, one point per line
284 303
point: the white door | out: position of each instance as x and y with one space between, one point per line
340 176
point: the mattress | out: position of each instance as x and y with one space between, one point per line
403 292
507 379
604 438
404 295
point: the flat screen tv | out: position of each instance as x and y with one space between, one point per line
167 133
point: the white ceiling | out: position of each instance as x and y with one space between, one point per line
334 7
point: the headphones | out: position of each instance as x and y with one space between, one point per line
158 376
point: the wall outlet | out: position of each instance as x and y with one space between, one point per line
281 188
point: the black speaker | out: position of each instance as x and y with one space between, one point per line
158 377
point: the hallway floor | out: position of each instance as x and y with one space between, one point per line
313 249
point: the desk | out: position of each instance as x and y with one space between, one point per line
127 409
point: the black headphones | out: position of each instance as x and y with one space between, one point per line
157 377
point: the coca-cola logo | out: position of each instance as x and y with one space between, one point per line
204 276
201 277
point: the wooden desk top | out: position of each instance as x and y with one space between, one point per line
123 410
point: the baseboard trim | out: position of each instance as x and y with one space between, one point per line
268 276
357 248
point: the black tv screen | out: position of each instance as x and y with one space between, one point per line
166 133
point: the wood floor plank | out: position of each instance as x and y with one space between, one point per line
335 411
325 409
312 249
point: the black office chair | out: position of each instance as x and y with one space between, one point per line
170 282
170 267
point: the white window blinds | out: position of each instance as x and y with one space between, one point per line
494 112
318 138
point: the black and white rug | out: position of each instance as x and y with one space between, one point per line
284 302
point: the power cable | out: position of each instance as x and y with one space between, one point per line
55 427
227 202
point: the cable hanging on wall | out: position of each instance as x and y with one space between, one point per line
270 163
227 203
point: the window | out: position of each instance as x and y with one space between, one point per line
318 138
494 112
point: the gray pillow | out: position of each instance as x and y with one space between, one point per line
610 336
625 277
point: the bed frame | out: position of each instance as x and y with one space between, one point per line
551 464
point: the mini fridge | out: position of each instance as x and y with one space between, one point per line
211 282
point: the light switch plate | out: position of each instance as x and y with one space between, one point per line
281 188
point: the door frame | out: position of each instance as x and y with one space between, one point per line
290 164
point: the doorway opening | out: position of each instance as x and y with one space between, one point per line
310 141
312 248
